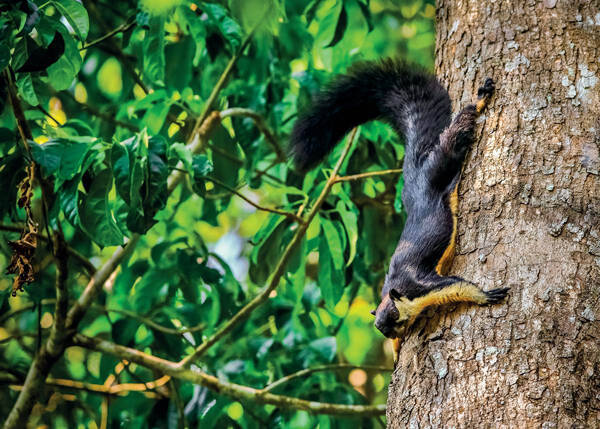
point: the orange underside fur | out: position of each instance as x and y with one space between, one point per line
445 261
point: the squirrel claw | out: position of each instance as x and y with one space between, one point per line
496 295
487 89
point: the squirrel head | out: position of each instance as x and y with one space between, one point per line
393 314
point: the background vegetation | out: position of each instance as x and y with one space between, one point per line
234 260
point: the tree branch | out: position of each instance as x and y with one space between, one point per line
245 311
334 367
58 332
233 390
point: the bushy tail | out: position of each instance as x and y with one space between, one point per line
404 95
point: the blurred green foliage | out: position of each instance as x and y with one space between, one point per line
110 118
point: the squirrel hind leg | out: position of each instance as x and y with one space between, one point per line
484 94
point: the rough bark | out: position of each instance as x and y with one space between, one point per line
529 219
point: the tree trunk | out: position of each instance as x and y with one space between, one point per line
529 217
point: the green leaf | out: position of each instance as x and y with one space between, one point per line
218 16
76 15
340 28
96 218
197 166
333 242
364 9
60 157
20 54
266 254
155 117
184 154
330 279
350 220
68 200
311 10
26 90
154 50
195 26
129 161
225 156
201 168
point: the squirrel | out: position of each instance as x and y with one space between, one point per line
418 107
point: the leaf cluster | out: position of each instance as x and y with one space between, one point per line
114 94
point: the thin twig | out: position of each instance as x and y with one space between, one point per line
225 154
247 310
253 204
114 389
334 367
368 174
120 29
46 113
260 123
233 390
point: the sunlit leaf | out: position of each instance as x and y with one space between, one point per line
76 14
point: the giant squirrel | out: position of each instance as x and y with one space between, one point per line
416 105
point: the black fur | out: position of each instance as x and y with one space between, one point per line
406 96
418 107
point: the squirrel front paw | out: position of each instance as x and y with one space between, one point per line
484 94
496 295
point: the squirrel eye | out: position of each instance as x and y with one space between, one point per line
373 312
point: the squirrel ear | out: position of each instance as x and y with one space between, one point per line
395 295
373 312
